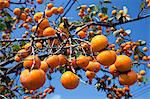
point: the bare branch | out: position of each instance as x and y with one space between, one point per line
17 2
28 39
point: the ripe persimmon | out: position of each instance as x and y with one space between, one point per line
69 80
39 45
90 75
23 53
17 11
32 61
121 11
37 16
89 10
147 1
25 25
145 58
81 34
43 23
145 49
29 19
50 5
44 66
33 29
93 66
23 16
148 65
27 10
49 31
39 31
62 59
2 3
128 79
54 10
39 1
114 12
33 79
17 58
90 58
142 72
98 43
100 15
123 63
6 4
48 13
106 57
82 61
53 61
136 57
60 10
113 70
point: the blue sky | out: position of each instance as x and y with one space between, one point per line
140 30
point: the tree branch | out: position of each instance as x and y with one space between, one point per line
106 24
136 19
17 2
28 39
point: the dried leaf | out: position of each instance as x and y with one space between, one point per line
128 32
142 5
125 10
116 33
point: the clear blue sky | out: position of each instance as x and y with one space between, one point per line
140 30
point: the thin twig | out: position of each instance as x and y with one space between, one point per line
69 8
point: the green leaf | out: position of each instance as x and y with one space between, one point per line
3 13
16 47
145 79
104 10
23 43
142 5
86 18
61 69
8 18
1 20
2 27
